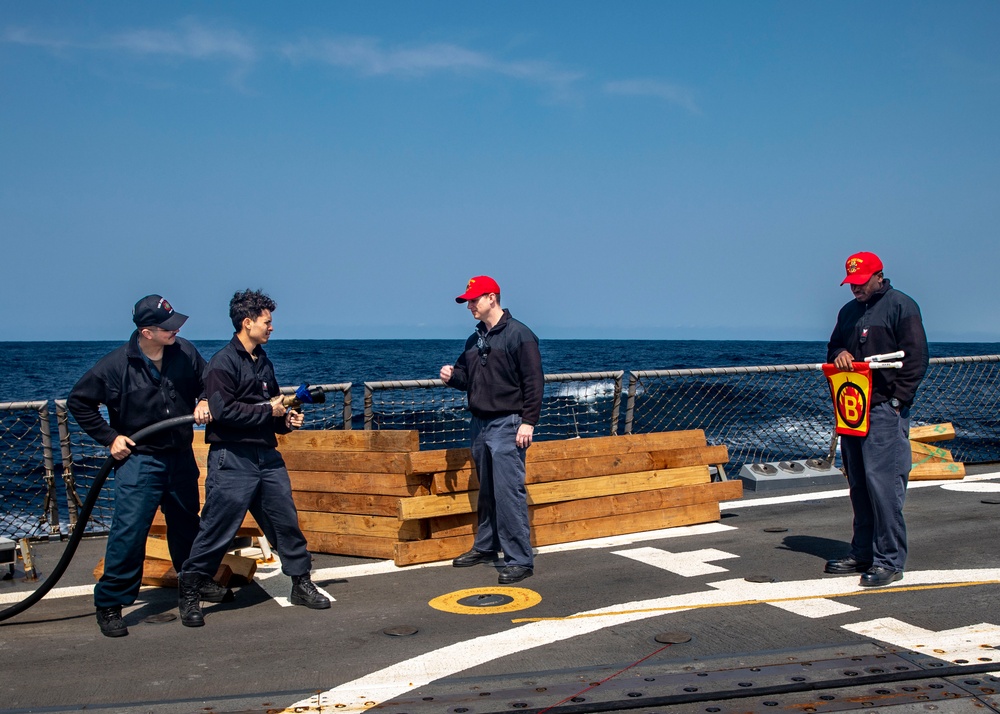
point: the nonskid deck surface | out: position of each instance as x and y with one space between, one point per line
739 610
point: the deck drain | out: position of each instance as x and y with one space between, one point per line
160 618
672 638
761 579
400 631
486 600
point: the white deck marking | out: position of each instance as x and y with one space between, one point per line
688 565
395 680
966 643
814 609
971 487
75 590
841 493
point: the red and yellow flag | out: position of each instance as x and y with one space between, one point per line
851 392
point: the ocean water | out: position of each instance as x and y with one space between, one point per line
48 370
768 418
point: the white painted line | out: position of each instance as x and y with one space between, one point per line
972 643
840 493
814 609
688 565
395 680
74 591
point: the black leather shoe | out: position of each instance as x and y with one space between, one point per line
878 576
211 591
110 621
843 566
304 592
473 557
514 574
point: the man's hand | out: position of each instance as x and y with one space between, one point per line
524 434
294 419
278 406
120 447
202 415
446 372
845 360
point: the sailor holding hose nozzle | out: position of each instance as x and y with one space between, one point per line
245 470
879 325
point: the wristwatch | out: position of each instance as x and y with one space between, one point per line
895 404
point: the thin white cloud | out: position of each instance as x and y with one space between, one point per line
188 40
191 40
654 88
368 57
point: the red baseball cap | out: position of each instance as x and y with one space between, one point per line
477 286
861 267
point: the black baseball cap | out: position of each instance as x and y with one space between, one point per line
155 311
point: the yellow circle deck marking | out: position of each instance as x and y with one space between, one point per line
522 600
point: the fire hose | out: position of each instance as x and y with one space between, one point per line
303 395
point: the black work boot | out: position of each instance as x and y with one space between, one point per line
305 593
189 599
111 622
211 591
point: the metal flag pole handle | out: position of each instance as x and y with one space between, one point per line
886 357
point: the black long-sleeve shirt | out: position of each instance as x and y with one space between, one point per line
136 398
239 386
888 322
508 379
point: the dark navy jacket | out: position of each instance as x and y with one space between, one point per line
238 389
888 322
124 383
511 380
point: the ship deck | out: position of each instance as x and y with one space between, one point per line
733 616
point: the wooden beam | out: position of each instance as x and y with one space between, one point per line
557 450
361 546
932 432
376 484
450 504
361 504
349 524
616 483
921 451
690 456
431 550
349 461
603 445
376 440
620 505
938 472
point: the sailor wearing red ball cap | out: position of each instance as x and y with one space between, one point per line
501 370
879 320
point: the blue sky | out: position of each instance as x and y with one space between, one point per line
643 169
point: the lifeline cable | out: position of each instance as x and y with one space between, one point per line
88 506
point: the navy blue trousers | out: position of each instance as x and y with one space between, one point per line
142 483
878 469
503 501
245 478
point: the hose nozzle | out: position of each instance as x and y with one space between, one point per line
304 395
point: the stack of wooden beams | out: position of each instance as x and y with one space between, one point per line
347 486
577 489
930 462
375 494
